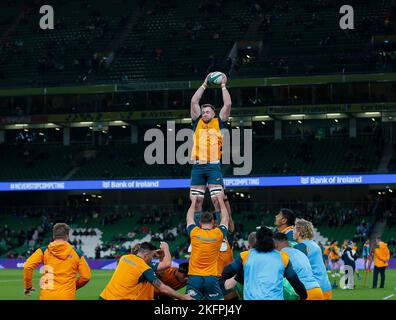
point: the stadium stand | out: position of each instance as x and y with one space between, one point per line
302 38
83 29
122 160
110 231
203 32
293 33
392 163
36 161
316 156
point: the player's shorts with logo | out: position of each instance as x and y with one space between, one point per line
204 288
209 173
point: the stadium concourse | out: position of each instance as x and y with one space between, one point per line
109 231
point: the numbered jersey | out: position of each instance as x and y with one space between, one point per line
60 263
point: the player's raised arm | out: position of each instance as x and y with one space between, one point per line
195 108
226 109
166 261
231 225
191 210
225 219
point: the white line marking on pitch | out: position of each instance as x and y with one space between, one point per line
388 297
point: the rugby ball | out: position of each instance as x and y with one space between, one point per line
215 77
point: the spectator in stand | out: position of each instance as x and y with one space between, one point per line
97 252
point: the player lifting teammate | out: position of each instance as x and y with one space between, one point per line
206 240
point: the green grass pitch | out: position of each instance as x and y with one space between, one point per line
11 287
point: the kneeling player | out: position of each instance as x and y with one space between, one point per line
176 278
134 279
